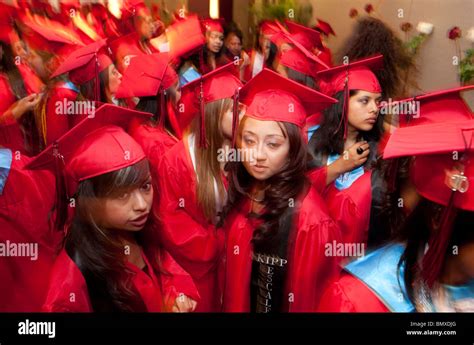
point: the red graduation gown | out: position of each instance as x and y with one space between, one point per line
309 270
68 289
350 207
348 295
155 142
185 232
25 206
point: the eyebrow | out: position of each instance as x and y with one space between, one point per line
269 135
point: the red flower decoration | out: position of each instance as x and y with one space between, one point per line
454 33
406 26
369 8
353 13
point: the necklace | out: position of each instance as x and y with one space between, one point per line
255 199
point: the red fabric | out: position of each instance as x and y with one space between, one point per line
10 131
350 208
317 177
33 83
25 207
309 270
195 244
68 289
349 295
57 124
155 141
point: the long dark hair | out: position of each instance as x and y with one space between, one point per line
419 227
284 186
27 122
152 104
371 36
88 89
329 138
98 252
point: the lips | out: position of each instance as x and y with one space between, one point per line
140 220
259 168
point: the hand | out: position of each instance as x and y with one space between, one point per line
25 104
183 304
352 159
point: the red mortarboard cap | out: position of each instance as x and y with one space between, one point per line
269 28
443 172
435 107
94 147
49 37
325 27
298 61
359 75
218 84
307 37
185 36
8 34
146 75
271 97
85 63
212 25
125 46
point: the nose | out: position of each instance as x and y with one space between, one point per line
374 108
139 202
259 153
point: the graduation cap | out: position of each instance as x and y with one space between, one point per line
307 37
85 64
93 147
50 36
125 46
185 36
272 97
325 28
212 25
434 107
150 75
357 75
218 84
442 172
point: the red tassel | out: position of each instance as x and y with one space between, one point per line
62 195
434 258
162 115
202 141
235 118
97 80
174 121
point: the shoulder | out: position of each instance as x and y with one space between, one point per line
67 287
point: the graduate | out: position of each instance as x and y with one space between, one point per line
326 31
27 201
155 82
110 261
193 186
345 146
428 267
277 225
91 77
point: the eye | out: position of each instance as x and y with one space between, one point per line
364 100
147 187
123 196
273 145
249 141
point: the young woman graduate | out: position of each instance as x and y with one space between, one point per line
345 146
193 186
429 267
26 201
151 78
109 261
276 223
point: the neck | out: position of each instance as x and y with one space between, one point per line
453 272
352 135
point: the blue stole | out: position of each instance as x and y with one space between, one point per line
188 76
5 165
378 271
69 85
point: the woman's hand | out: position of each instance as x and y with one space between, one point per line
24 105
184 304
352 158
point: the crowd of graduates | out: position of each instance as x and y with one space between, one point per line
163 168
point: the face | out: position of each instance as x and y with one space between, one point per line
176 89
267 145
215 41
227 118
466 259
19 50
264 43
115 78
127 211
145 26
363 110
233 44
38 65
